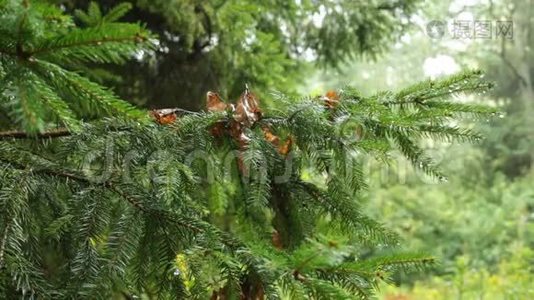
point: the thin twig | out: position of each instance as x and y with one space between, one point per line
53 133
16 134
185 111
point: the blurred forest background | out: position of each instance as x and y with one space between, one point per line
480 223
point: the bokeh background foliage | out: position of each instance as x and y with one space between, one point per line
480 223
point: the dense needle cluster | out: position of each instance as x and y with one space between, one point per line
235 202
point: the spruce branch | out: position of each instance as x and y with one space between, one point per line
93 42
347 212
110 42
422 93
110 185
85 90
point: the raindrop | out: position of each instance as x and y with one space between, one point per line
176 272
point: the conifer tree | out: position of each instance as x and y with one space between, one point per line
98 201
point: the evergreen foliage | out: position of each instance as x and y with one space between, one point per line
41 46
120 207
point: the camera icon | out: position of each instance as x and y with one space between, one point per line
351 131
435 29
